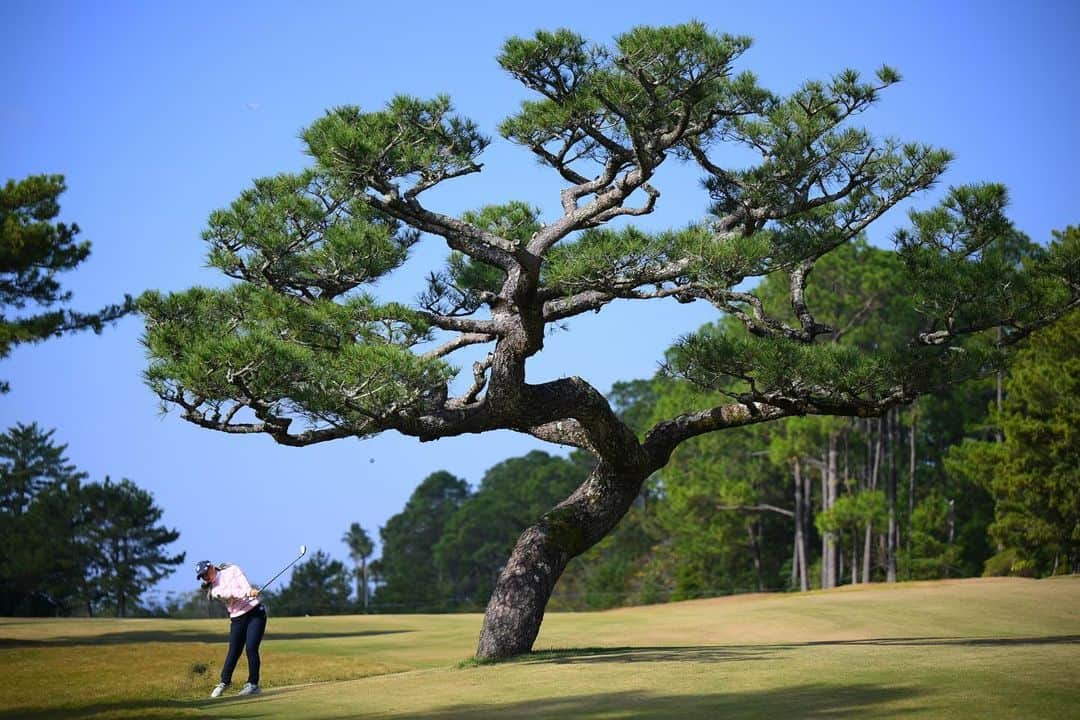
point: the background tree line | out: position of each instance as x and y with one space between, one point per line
71 547
66 546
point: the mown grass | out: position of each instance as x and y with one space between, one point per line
987 648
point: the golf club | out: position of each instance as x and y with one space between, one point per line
303 551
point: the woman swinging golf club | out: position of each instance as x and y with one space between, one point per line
247 620
247 615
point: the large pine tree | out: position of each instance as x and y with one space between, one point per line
298 350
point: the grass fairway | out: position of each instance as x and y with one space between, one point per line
983 648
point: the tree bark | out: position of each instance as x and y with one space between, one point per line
824 536
874 470
830 567
854 557
839 564
516 608
808 518
755 554
866 553
798 564
912 438
890 500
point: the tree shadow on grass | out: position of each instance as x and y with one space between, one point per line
800 701
185 636
664 653
809 701
726 653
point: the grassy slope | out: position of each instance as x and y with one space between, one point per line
987 648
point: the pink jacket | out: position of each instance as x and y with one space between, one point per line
233 587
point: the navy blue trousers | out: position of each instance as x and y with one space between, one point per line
245 633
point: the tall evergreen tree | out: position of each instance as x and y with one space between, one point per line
122 527
360 549
1033 474
30 461
298 351
410 579
42 557
33 249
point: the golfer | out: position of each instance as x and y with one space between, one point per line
247 616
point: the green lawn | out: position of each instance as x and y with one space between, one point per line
983 648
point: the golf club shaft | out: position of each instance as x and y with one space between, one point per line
267 583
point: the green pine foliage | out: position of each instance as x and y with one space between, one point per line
297 357
651 83
289 233
466 283
1033 473
301 335
934 550
34 248
411 137
30 461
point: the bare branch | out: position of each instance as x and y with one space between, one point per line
480 369
565 307
665 436
457 343
459 235
615 212
811 328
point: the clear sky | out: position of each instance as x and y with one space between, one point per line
158 113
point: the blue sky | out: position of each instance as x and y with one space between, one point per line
159 113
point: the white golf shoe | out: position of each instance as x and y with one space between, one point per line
249 689
218 689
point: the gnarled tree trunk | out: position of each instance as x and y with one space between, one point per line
516 608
